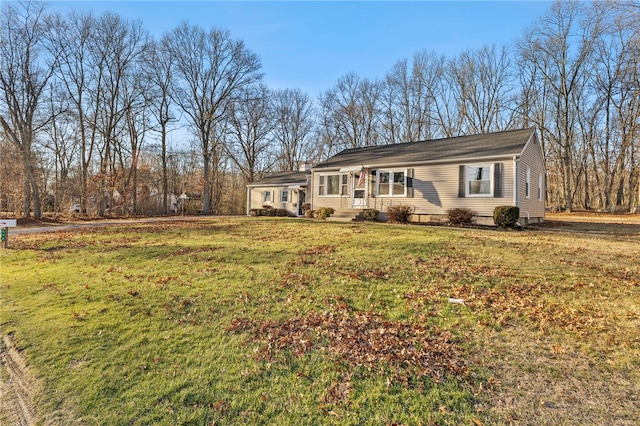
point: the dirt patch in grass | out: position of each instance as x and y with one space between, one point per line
17 387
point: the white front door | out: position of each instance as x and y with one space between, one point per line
359 198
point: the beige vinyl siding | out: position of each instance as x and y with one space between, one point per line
435 190
256 194
532 158
436 186
334 201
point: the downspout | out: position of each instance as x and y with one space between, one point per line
248 201
310 191
516 184
528 218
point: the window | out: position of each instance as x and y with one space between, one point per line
540 187
478 181
392 183
332 184
284 196
266 196
527 183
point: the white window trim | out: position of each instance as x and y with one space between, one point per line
282 192
379 171
326 184
266 199
466 180
527 184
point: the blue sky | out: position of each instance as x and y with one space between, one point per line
309 45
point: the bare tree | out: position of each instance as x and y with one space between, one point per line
483 89
62 143
559 48
211 68
25 70
409 98
294 122
352 111
615 83
69 42
12 173
116 49
136 103
250 125
159 66
446 108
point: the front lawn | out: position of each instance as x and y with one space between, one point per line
282 321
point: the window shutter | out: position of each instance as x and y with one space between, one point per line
497 180
410 183
461 182
290 197
273 196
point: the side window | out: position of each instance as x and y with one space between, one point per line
478 180
540 187
266 196
284 196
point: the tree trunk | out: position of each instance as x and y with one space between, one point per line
165 184
206 192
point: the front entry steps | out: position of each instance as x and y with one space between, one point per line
346 215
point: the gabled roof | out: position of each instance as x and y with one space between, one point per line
283 179
499 144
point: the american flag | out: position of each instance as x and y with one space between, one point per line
361 179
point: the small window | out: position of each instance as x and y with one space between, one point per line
527 184
333 185
344 187
284 196
266 196
384 187
540 187
478 181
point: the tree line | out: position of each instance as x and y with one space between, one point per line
89 105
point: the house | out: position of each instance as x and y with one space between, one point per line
284 191
478 172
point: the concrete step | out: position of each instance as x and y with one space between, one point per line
346 215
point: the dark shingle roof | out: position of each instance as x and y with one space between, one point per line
499 144
283 178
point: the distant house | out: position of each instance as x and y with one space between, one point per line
284 191
478 172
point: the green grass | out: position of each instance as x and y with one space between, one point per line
133 324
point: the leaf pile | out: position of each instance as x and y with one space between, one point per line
361 339
525 300
323 249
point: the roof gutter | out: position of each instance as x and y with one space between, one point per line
271 185
423 163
